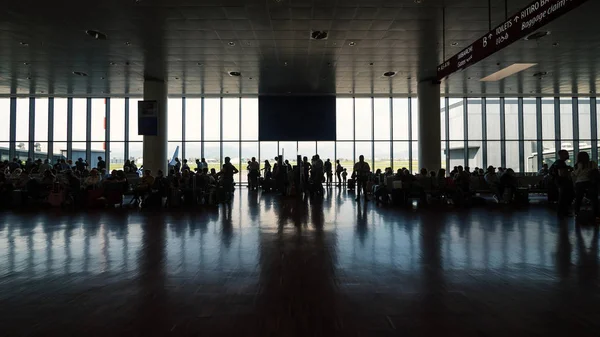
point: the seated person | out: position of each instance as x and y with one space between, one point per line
22 181
493 182
48 179
93 180
509 184
72 183
145 185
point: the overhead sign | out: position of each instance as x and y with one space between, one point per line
148 118
518 26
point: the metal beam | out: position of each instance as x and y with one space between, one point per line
521 119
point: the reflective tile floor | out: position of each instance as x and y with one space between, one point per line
266 266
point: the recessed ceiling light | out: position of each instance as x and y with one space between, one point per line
537 35
231 43
508 71
418 1
540 74
127 43
24 44
41 91
200 64
113 63
285 64
389 74
249 78
454 44
176 78
555 44
235 73
96 34
79 73
352 44
409 78
319 35
26 63
371 63
28 77
102 78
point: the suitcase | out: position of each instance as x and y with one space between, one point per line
351 184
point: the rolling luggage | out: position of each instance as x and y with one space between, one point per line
351 184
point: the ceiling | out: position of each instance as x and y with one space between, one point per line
193 44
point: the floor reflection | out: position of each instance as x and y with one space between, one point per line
265 265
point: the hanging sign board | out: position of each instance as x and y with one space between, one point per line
148 118
518 26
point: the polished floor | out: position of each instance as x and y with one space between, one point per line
267 266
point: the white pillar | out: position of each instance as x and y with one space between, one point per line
155 147
430 134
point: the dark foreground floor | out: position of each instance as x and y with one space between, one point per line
267 267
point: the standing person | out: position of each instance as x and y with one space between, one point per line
306 166
80 165
185 165
562 179
101 164
585 176
362 170
202 165
228 171
253 173
344 176
317 173
267 169
177 166
338 172
328 171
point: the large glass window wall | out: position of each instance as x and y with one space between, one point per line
519 133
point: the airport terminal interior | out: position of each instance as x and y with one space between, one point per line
474 213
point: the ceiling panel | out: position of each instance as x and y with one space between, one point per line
194 45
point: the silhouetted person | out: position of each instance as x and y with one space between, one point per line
338 172
101 164
560 172
362 170
585 176
228 171
177 166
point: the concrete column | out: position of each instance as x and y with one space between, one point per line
155 147
429 125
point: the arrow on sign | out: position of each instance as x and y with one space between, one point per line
490 36
517 18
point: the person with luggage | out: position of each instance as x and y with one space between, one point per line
253 174
362 170
560 172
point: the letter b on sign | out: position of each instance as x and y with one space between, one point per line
485 42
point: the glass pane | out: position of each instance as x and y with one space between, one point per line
344 119
530 118
475 154
383 156
382 119
136 152
212 119
79 149
193 122
231 118
98 119
401 155
415 118
232 150
117 154
566 122
268 151
585 122
117 119
457 154
415 159
493 120
364 149
345 154
249 150
175 119
249 118
171 149
548 127
531 164
494 154
193 151
401 118
511 121
512 155
60 120
79 119
212 153
41 128
58 150
308 149
133 120
289 150
456 119
364 122
327 150
5 117
474 119
22 122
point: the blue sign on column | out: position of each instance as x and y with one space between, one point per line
148 118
